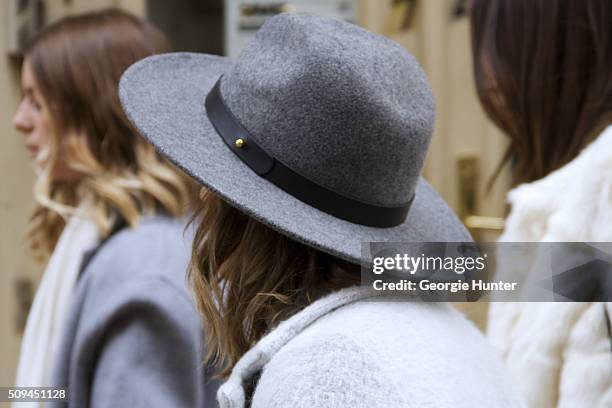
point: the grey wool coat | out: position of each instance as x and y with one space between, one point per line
357 349
133 337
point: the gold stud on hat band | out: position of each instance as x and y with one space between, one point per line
300 187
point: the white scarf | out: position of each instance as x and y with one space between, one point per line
45 323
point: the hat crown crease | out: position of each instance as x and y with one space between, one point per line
345 108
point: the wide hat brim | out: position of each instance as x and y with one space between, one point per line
164 96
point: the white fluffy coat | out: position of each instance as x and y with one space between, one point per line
559 353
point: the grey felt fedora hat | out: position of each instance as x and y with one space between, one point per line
319 130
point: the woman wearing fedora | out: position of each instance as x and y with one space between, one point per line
112 319
543 76
311 143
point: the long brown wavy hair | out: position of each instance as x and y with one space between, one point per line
542 71
247 278
77 63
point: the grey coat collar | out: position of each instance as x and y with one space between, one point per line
232 394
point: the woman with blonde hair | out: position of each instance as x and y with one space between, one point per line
543 75
312 143
112 319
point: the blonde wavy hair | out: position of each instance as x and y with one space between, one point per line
247 278
77 63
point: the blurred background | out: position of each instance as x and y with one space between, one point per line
465 151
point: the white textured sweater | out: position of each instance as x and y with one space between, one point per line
559 353
347 350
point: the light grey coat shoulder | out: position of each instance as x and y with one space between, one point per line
351 350
133 336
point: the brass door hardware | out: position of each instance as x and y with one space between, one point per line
473 222
468 171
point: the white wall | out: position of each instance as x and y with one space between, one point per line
16 178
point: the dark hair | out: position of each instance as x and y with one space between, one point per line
543 74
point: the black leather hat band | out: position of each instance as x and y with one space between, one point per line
246 148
